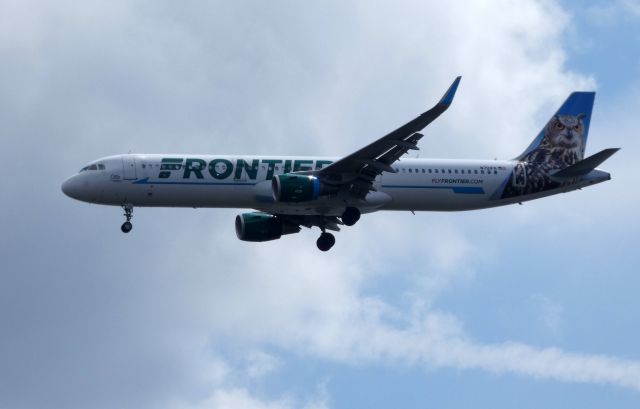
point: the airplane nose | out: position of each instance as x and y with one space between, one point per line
70 187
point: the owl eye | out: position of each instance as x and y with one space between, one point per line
559 125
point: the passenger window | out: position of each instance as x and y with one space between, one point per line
482 171
449 170
475 171
436 170
495 172
456 171
423 171
429 170
442 170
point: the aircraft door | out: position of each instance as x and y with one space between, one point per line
129 167
519 175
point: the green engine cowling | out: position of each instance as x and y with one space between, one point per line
262 227
295 188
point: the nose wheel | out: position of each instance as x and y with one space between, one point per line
128 213
325 241
126 227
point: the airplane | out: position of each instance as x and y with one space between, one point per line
290 192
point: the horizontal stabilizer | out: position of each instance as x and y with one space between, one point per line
584 166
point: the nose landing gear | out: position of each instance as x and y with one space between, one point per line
128 213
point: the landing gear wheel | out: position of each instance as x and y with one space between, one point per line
128 214
350 216
325 241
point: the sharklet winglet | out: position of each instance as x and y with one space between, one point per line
447 98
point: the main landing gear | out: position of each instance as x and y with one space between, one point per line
128 213
350 216
325 241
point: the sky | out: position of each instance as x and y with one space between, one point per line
529 306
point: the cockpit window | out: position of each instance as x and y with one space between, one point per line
91 167
100 166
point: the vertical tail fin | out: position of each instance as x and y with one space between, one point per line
565 135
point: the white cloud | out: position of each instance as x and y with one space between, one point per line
260 363
352 328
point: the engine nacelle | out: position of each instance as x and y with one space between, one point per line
262 227
295 188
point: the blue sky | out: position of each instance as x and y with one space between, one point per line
527 306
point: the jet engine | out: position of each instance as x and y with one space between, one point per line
262 227
296 188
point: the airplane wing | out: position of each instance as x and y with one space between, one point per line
357 171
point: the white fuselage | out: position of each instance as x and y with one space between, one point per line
178 180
